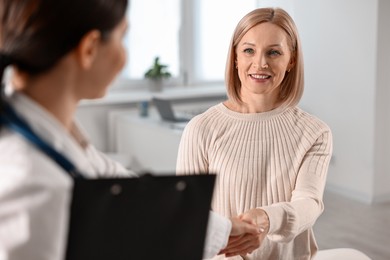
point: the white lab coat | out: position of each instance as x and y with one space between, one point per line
35 192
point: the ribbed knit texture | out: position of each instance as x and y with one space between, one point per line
277 160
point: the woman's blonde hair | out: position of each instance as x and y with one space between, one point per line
291 88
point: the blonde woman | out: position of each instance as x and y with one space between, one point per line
271 157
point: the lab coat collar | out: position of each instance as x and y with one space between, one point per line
53 132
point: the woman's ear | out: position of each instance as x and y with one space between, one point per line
87 49
18 78
291 64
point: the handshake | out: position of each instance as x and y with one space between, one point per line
248 231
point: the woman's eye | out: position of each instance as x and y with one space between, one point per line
249 51
274 53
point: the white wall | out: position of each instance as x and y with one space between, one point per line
340 43
382 123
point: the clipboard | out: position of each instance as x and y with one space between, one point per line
151 217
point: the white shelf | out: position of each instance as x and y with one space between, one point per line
135 96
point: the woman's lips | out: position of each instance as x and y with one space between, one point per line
260 76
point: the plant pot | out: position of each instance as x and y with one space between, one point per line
155 85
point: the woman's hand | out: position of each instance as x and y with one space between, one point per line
243 238
241 227
245 243
258 217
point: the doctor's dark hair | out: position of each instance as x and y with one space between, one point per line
36 34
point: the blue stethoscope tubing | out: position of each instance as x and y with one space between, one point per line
12 120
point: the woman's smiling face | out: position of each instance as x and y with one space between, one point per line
263 57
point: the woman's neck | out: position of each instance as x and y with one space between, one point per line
255 104
53 91
56 102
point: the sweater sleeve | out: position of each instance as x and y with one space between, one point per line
192 160
288 219
191 157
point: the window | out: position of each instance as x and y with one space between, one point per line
190 36
153 31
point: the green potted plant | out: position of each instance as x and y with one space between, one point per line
156 74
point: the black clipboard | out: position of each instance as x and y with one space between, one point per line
151 217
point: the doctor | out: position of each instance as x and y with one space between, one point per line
61 52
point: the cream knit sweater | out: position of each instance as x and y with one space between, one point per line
277 160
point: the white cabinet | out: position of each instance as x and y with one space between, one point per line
150 143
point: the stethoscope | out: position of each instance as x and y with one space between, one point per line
12 120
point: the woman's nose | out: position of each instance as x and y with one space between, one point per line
260 62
